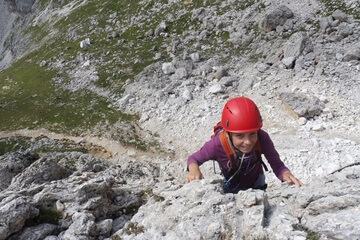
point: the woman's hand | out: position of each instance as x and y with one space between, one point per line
194 173
291 179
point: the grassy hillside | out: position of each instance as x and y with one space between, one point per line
30 96
33 96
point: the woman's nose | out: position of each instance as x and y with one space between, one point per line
248 141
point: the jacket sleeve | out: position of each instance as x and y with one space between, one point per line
206 153
271 154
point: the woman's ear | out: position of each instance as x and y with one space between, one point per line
228 133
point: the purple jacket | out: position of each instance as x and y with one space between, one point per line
213 150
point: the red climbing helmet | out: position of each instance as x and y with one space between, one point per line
241 115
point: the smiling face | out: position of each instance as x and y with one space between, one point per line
244 141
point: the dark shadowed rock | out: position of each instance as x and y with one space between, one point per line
38 232
22 6
13 164
276 18
14 214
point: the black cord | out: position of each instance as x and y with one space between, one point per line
350 165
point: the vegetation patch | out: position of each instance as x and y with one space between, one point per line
242 5
288 35
311 235
148 193
39 145
198 4
133 228
116 237
332 5
29 99
51 216
13 144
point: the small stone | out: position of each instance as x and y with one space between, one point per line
157 56
339 15
187 95
216 88
43 63
318 128
289 62
168 68
131 153
85 43
220 73
86 63
195 57
302 121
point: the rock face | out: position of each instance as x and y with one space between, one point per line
277 18
14 164
14 17
76 196
7 18
199 210
22 7
71 196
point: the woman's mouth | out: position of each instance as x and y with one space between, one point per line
245 149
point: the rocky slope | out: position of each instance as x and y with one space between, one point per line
298 61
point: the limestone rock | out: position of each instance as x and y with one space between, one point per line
13 164
216 88
41 231
339 15
277 18
302 105
85 43
161 28
168 68
297 45
288 62
14 214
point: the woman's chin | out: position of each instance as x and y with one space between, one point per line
245 150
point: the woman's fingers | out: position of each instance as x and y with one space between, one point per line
291 179
191 177
296 181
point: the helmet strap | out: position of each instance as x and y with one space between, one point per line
236 150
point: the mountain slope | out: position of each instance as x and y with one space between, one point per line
155 75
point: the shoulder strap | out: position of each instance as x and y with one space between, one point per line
225 142
257 154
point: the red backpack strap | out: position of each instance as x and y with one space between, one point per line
257 153
225 142
217 128
257 146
